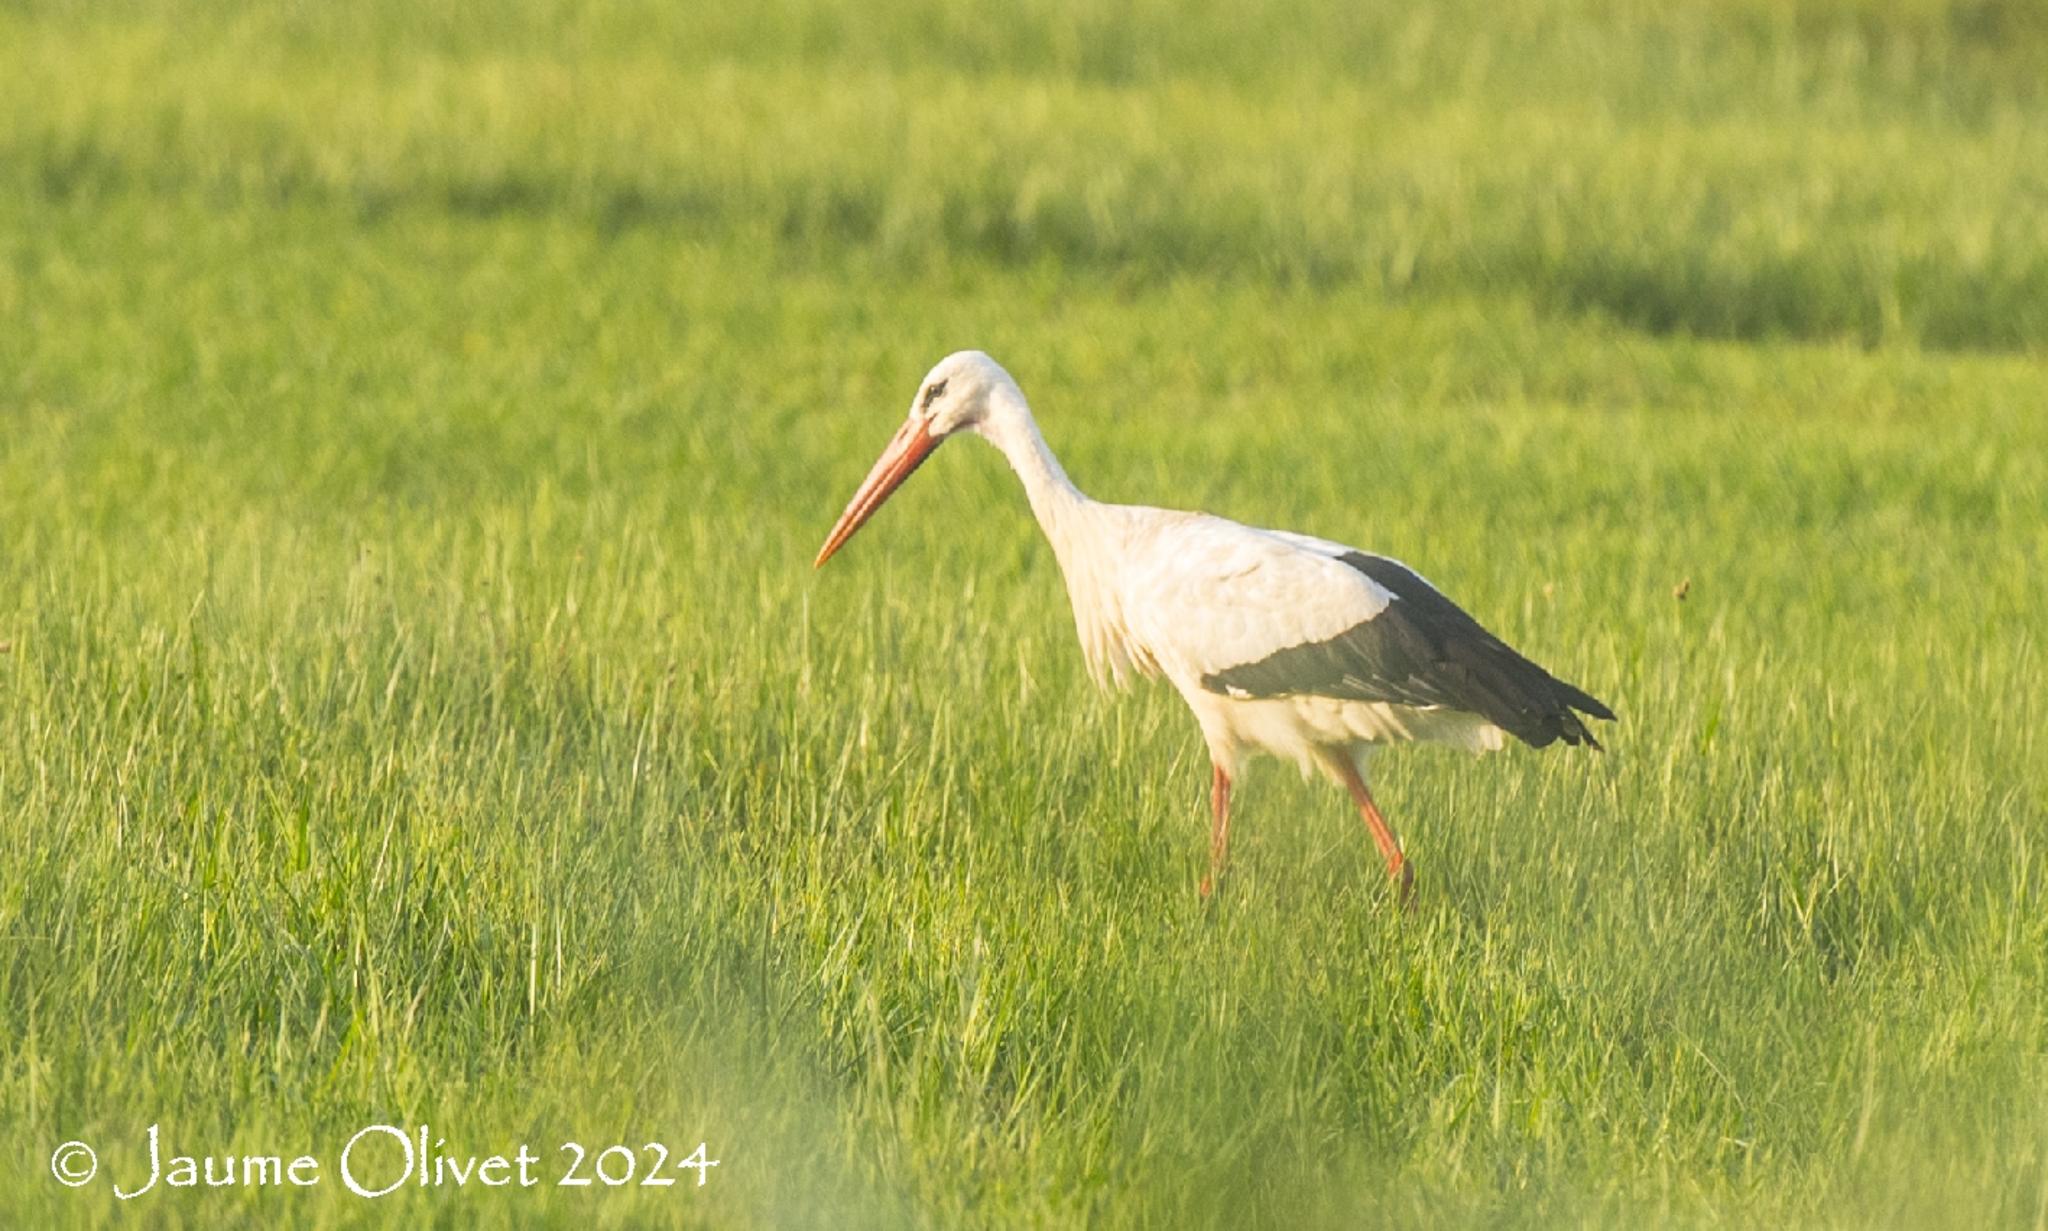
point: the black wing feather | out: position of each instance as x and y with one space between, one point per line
1422 650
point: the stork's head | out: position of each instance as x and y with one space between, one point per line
962 393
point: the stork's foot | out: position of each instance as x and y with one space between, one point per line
1345 770
1403 874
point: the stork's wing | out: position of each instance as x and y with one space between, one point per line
1255 613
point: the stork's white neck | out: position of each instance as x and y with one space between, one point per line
1080 530
1054 498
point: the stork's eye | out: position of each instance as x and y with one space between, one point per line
932 393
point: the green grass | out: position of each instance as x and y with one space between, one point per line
417 706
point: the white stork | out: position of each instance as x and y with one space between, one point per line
1280 643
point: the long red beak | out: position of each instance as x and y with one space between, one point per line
906 452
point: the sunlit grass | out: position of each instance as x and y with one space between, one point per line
419 706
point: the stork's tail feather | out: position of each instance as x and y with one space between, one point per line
1564 723
1573 731
1581 700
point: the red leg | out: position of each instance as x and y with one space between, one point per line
1219 830
1382 834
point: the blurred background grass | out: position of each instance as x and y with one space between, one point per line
415 424
1870 171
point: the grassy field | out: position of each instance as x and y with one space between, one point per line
416 705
